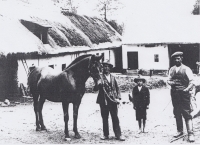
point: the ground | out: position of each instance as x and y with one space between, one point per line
18 122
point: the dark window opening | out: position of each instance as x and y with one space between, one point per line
63 66
52 66
156 58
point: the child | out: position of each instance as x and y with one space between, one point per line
140 100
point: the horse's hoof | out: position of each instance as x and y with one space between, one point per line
67 139
77 136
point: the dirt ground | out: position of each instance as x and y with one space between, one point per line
17 123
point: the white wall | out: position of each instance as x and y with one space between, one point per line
108 54
146 56
57 62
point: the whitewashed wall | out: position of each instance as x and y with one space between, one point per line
57 62
146 56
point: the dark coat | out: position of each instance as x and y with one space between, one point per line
102 98
141 99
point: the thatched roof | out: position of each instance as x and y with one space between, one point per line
68 32
13 36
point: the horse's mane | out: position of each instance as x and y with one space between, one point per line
77 60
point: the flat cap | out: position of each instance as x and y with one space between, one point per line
178 53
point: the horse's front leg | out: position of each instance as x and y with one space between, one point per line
75 116
65 106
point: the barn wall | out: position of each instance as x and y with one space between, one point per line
57 61
108 54
146 57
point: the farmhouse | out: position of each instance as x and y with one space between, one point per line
148 44
52 39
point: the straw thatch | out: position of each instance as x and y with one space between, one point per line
97 30
82 31
14 36
68 32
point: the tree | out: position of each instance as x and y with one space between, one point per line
119 28
196 10
71 5
108 7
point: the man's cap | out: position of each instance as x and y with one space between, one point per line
107 61
178 53
139 78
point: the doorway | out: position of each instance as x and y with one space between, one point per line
132 60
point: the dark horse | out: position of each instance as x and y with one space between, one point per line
67 87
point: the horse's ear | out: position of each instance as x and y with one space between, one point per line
98 57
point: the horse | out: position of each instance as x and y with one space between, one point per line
67 86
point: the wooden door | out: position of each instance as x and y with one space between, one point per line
132 60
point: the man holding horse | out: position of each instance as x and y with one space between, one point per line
181 82
108 99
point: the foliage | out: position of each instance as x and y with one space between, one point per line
70 5
196 10
126 84
154 83
117 27
108 7
154 72
8 76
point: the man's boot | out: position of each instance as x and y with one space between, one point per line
190 130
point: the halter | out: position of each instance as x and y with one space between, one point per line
91 74
89 67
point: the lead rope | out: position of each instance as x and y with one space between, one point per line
106 93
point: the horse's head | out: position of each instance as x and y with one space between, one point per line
95 68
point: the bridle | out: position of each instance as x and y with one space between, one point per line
92 75
90 66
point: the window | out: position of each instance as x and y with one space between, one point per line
52 66
156 58
63 66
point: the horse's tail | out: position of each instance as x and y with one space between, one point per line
33 78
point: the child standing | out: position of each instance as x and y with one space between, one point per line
141 101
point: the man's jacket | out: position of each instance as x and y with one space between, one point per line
108 90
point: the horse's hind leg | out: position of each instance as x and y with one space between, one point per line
75 115
65 106
40 106
35 104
